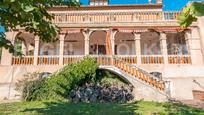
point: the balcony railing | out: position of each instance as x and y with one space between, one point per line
131 59
152 59
27 60
103 59
48 60
179 59
117 16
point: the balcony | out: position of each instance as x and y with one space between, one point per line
104 59
111 18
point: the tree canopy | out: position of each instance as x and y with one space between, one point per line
32 15
190 13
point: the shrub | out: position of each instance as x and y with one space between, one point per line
59 84
29 84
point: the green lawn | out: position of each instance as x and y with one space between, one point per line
66 108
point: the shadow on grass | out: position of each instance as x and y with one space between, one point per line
65 108
181 109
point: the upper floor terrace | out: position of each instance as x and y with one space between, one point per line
116 15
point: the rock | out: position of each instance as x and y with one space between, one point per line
101 93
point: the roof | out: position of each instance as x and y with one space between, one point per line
110 7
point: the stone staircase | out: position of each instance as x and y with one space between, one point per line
155 89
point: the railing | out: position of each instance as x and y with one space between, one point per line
102 59
116 16
152 59
27 60
179 59
71 59
131 59
139 73
48 60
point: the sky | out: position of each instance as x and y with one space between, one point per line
169 5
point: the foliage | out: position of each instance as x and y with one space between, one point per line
0 53
181 109
32 15
64 108
29 84
60 83
106 77
190 13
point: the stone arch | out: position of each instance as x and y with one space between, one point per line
97 42
49 48
150 43
176 43
74 44
141 90
24 42
124 43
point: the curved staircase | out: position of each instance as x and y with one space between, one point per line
134 74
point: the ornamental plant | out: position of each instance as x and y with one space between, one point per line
58 85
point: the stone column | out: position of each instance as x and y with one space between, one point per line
36 50
138 47
24 48
6 58
61 50
163 46
86 34
194 47
113 41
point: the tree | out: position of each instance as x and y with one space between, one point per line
190 13
32 15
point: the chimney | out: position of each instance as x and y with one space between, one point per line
159 1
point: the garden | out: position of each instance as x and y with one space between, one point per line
81 88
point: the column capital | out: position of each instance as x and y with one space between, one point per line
113 33
163 36
137 35
187 34
37 38
62 37
86 33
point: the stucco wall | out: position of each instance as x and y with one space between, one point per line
181 79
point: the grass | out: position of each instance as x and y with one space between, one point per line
66 108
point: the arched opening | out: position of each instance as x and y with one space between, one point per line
97 43
124 44
24 43
74 44
176 44
49 49
150 43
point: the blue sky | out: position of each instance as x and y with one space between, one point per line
169 5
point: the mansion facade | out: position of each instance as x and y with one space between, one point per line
138 40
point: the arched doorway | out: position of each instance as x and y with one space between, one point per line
176 44
24 43
49 49
98 43
124 44
150 43
74 44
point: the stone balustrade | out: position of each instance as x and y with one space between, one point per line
102 59
116 16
